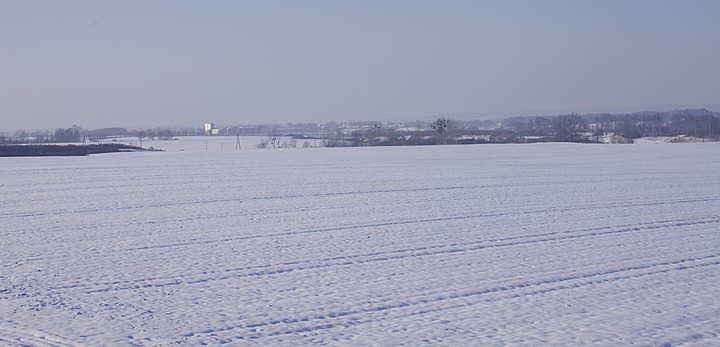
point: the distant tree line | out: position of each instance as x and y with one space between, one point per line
572 127
76 134
590 128
37 150
699 123
61 135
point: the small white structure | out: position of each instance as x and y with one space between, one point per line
210 129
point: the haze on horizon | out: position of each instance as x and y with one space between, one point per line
180 63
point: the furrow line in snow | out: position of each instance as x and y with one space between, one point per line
258 211
270 269
288 196
94 185
402 222
238 199
615 275
293 325
330 262
618 276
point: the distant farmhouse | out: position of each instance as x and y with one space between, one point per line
210 129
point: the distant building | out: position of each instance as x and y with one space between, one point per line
210 129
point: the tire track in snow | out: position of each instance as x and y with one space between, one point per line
374 257
205 240
413 221
241 199
258 211
291 196
348 318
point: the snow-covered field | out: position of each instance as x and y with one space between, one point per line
546 244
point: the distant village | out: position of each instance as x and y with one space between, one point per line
672 126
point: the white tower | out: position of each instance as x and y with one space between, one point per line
208 128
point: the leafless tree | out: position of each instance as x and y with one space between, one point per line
568 127
442 126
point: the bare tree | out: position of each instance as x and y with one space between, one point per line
442 125
568 127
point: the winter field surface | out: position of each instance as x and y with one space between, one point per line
536 245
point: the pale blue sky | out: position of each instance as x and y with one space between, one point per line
182 63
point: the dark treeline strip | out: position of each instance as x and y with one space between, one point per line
60 150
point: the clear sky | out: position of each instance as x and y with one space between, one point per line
183 63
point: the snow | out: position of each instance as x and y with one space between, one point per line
209 144
542 244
